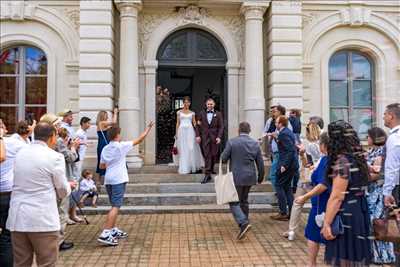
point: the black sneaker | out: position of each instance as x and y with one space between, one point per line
243 230
117 233
65 246
108 240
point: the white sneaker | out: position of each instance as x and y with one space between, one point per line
108 240
290 236
117 233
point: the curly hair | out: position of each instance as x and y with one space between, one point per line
343 140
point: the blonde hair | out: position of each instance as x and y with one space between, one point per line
313 132
101 116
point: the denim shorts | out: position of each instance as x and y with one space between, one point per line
116 194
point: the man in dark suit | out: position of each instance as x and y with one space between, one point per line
209 132
287 165
243 152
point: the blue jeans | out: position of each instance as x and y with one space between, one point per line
240 210
6 253
272 171
285 197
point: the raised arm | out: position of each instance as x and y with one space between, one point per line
115 115
143 134
63 188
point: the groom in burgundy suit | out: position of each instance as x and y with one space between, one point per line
209 132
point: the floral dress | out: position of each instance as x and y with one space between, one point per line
383 252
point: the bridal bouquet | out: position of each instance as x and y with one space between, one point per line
174 150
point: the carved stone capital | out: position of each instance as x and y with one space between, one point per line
192 14
355 16
16 10
128 8
254 10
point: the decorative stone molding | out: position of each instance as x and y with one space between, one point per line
192 14
355 16
74 16
236 25
17 10
253 10
149 22
128 8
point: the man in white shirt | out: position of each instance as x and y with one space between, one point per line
82 135
391 186
113 159
66 122
14 144
33 216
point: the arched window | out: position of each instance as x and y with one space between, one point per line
23 84
351 84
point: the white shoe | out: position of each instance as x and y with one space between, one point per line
70 222
291 236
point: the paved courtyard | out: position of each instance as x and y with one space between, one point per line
198 239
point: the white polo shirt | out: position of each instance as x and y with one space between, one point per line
13 145
114 156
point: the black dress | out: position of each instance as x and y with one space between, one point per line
353 248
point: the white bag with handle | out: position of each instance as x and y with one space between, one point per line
225 186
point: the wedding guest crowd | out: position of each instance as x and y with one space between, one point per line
349 188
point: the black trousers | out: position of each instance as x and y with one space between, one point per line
6 253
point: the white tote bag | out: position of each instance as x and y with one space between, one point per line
225 186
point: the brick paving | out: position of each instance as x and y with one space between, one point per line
191 239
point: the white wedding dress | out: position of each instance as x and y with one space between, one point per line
190 157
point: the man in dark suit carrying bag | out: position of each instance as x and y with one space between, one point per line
287 165
209 132
244 154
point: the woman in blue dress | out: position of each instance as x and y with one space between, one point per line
102 134
383 252
319 197
346 226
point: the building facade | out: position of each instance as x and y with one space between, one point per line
336 59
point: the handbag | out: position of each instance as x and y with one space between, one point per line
225 187
387 228
337 227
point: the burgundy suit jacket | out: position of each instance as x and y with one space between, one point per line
210 131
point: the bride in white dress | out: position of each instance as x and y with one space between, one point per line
190 157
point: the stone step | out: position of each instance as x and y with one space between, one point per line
183 199
165 178
168 169
176 209
254 208
154 188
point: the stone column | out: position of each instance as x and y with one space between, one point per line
232 69
150 68
129 102
254 106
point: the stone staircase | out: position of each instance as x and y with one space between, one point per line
160 189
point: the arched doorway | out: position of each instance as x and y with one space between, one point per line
191 62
